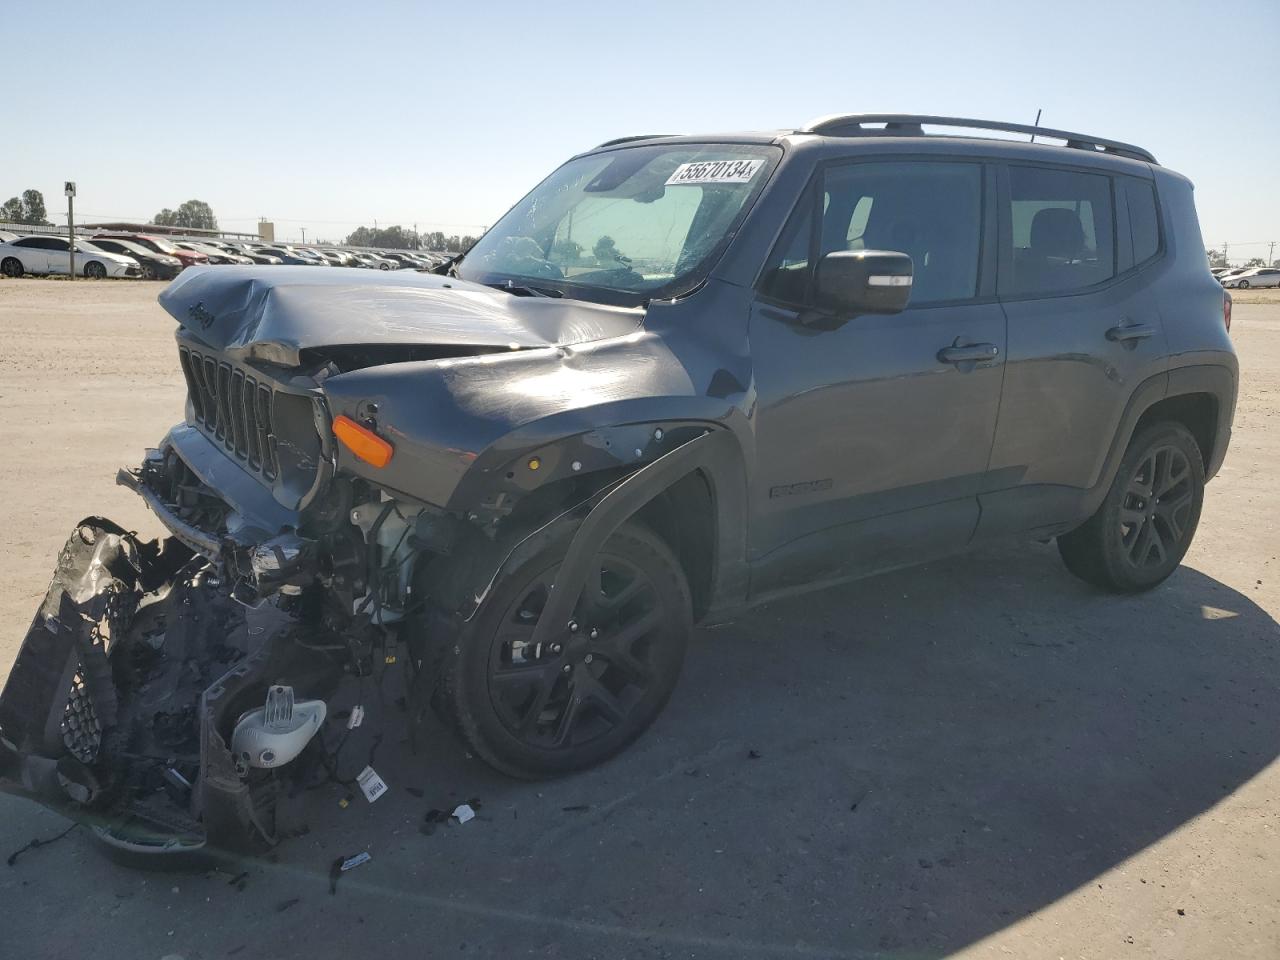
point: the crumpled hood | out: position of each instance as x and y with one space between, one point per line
272 313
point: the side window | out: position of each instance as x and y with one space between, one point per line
27 242
1144 224
1062 231
931 211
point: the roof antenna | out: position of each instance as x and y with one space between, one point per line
1036 124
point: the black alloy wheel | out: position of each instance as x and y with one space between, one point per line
1155 513
1143 528
12 267
94 270
595 684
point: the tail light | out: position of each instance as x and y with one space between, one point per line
1226 310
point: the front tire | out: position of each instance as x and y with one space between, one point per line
94 270
1143 528
595 685
1243 285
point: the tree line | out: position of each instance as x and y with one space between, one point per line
28 208
400 238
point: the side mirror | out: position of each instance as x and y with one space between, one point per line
851 282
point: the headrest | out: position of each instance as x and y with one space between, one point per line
1056 232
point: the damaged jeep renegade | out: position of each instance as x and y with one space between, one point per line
683 375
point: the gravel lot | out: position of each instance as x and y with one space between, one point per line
979 757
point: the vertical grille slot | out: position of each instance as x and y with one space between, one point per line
235 401
262 400
222 374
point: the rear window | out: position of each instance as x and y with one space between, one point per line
1062 227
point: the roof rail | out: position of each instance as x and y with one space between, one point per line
637 136
911 125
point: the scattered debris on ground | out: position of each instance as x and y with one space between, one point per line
343 864
463 813
38 842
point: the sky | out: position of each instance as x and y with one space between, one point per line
326 116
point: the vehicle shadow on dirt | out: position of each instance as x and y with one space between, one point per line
909 763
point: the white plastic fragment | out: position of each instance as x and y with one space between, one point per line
356 718
371 784
352 862
463 812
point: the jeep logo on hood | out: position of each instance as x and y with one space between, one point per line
202 316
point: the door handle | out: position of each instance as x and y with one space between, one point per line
969 353
1131 331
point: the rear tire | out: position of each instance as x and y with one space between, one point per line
598 682
1143 528
12 267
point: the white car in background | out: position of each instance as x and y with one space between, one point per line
48 254
1257 277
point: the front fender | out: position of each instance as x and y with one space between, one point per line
459 426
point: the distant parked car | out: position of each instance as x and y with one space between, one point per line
215 254
6 236
250 255
346 257
49 255
1257 277
373 261
245 250
328 256
155 266
404 259
189 258
289 255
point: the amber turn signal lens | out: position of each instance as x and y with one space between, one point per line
362 441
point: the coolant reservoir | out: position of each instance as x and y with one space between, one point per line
275 733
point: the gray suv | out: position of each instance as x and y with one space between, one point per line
685 374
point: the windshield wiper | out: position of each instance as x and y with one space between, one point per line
522 290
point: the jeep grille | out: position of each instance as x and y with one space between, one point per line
233 408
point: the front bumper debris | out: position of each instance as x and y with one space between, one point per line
121 703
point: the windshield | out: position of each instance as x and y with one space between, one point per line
625 226
164 246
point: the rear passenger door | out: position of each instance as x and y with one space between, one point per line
56 253
1080 248
873 431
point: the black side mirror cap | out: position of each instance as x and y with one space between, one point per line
852 282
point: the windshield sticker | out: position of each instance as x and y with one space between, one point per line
714 171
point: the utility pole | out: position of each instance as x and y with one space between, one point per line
1271 252
304 234
69 188
1225 257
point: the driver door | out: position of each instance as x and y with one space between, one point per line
874 432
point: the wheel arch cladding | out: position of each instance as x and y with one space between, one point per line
1198 412
685 516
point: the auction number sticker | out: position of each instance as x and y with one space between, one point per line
714 171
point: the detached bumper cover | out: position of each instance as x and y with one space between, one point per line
119 706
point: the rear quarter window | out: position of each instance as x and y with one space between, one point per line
1144 221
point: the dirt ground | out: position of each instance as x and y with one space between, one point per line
981 757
